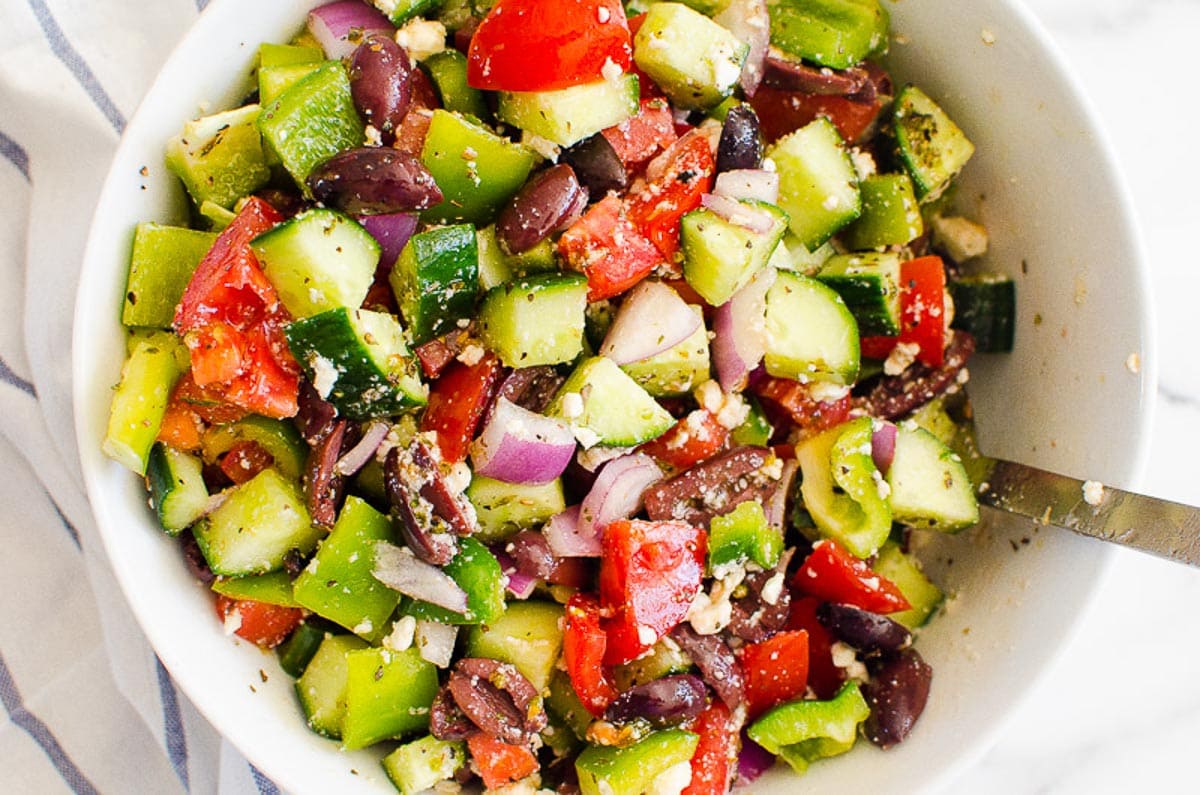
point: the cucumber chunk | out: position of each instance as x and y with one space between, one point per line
278 437
890 214
929 485
569 115
504 509
932 147
662 659
297 651
905 573
400 11
869 283
358 361
811 334
322 686
177 489
477 170
496 266
338 583
388 695
282 65
818 186
317 261
162 263
220 157
256 526
608 407
985 307
695 61
141 397
536 320
527 635
721 257
417 766
833 33
435 280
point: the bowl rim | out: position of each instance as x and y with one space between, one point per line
96 261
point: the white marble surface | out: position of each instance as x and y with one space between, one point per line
1120 711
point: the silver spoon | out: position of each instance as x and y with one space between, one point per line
1160 527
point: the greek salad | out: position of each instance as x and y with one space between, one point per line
557 386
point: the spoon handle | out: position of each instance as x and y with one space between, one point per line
1167 529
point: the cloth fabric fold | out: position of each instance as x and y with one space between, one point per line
85 705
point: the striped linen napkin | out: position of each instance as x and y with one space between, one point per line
85 706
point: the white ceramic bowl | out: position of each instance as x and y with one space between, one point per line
1044 184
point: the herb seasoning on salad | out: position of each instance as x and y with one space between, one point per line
556 384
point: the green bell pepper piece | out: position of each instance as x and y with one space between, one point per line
797 721
742 534
840 489
632 769
755 430
338 584
477 170
274 588
477 572
802 754
388 694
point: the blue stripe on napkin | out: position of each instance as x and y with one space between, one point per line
71 58
7 376
173 730
10 697
14 153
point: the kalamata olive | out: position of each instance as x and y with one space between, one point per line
372 180
287 202
714 487
794 75
323 487
549 201
381 83
896 693
741 143
597 166
446 720
717 663
870 633
497 698
531 387
425 529
668 701
316 415
896 395
766 607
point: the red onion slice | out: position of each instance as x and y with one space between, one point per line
652 319
562 533
391 231
398 568
756 219
776 507
361 453
883 445
748 183
519 446
340 27
519 585
617 492
750 21
753 760
740 325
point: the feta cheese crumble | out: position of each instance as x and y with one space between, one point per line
1093 492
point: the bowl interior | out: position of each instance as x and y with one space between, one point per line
1043 183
